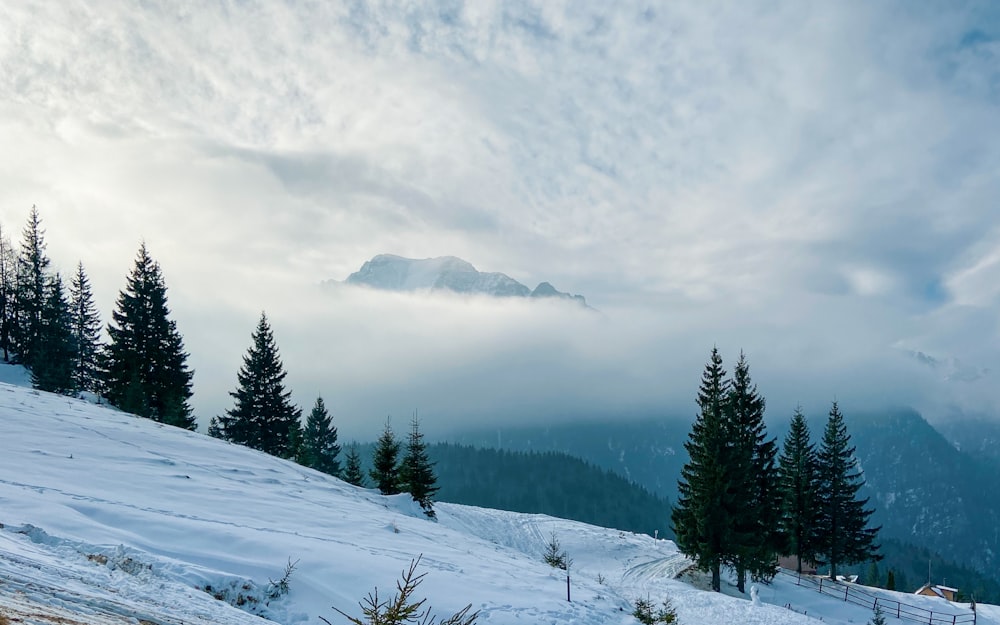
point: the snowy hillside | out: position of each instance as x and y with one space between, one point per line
108 518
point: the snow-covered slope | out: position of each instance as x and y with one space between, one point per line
109 518
395 273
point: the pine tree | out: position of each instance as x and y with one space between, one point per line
702 525
86 326
753 477
878 617
263 415
352 468
145 365
294 451
8 296
417 471
32 266
873 577
55 348
844 537
385 468
319 441
890 580
797 486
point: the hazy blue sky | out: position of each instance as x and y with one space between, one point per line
816 183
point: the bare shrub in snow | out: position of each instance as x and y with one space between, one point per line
401 609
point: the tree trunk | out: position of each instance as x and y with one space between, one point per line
716 578
741 577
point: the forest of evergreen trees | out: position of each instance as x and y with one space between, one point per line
142 367
737 507
56 335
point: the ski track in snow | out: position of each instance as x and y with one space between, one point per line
114 519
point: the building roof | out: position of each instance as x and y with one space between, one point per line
937 589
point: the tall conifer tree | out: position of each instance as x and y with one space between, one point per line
385 462
145 370
753 477
55 348
845 537
352 467
86 326
263 416
701 519
417 471
8 296
32 278
319 441
797 486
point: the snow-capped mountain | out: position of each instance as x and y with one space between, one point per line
396 273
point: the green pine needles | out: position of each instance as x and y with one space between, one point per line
738 508
402 608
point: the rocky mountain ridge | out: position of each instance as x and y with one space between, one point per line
448 273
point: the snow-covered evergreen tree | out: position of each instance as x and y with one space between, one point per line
753 479
797 488
417 471
352 467
8 296
55 348
30 290
319 448
145 366
844 537
86 326
263 415
701 518
385 462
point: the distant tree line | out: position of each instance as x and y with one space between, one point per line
740 508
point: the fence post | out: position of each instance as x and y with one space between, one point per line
821 584
897 609
846 588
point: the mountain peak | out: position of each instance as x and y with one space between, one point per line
390 272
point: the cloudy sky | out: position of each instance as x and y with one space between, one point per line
815 183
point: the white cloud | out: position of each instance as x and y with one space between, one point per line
814 183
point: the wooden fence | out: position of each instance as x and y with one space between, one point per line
852 593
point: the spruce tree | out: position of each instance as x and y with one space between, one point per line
30 291
263 415
753 479
294 450
878 617
701 518
845 537
8 296
86 326
797 486
352 467
55 348
385 458
873 577
417 471
145 365
319 441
